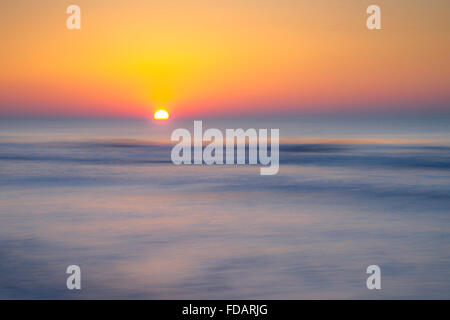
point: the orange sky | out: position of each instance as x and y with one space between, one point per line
222 57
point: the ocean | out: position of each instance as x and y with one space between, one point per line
103 194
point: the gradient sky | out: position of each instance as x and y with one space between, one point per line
223 57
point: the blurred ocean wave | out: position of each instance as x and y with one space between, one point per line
144 152
141 227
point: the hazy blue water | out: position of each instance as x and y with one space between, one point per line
105 196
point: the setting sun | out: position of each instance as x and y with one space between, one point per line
161 114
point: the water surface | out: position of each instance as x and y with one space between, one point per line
104 195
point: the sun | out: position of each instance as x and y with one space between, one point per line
161 114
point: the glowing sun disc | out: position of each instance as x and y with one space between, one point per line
161 114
